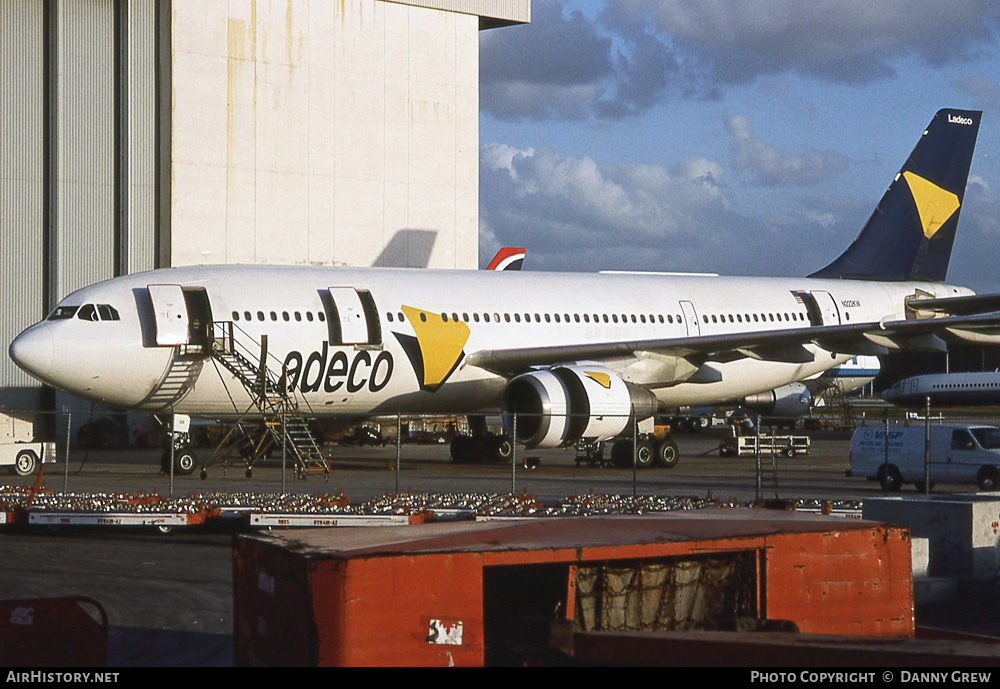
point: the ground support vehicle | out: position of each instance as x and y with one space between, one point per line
751 445
958 453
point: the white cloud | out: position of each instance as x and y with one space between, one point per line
636 53
771 166
838 40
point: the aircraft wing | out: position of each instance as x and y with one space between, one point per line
784 345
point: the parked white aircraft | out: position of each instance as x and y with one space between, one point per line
570 355
977 389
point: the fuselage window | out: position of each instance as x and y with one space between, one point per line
389 317
557 318
486 317
586 318
517 318
321 316
236 315
444 317
576 317
847 316
496 317
87 312
739 317
475 317
247 316
642 317
506 317
285 316
298 316
400 316
454 316
705 319
274 316
634 320
605 317
63 312
566 317
713 318
538 319
423 317
614 317
309 316
547 318
755 318
465 317
260 315
670 319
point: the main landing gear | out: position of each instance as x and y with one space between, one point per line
481 446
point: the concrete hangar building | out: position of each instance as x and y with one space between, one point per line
138 134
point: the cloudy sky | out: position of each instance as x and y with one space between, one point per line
747 137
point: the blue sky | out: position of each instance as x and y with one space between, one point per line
746 137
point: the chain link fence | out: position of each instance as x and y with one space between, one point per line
736 459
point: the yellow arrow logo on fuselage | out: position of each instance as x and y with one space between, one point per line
441 343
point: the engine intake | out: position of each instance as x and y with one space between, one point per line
561 405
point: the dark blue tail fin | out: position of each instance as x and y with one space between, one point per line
910 234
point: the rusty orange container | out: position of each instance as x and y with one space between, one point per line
475 593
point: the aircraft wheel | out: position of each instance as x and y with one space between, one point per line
645 455
889 479
987 478
25 463
503 448
184 462
461 449
621 453
667 454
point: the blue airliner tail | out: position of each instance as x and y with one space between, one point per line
911 232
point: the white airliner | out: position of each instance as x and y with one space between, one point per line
977 389
570 355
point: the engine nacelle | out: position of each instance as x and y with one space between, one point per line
787 402
560 405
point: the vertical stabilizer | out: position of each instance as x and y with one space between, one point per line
911 232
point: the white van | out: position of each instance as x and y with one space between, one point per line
959 453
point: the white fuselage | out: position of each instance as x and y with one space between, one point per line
119 362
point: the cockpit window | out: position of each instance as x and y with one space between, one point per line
62 312
95 312
108 312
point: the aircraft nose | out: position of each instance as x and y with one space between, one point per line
32 350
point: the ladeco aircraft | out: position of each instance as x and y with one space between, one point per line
570 355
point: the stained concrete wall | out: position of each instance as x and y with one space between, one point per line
314 132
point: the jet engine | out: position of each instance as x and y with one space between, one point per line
788 402
560 405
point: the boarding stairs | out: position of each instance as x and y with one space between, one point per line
279 409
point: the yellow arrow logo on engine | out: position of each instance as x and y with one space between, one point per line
934 204
602 379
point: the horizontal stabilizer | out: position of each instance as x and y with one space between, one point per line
958 306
